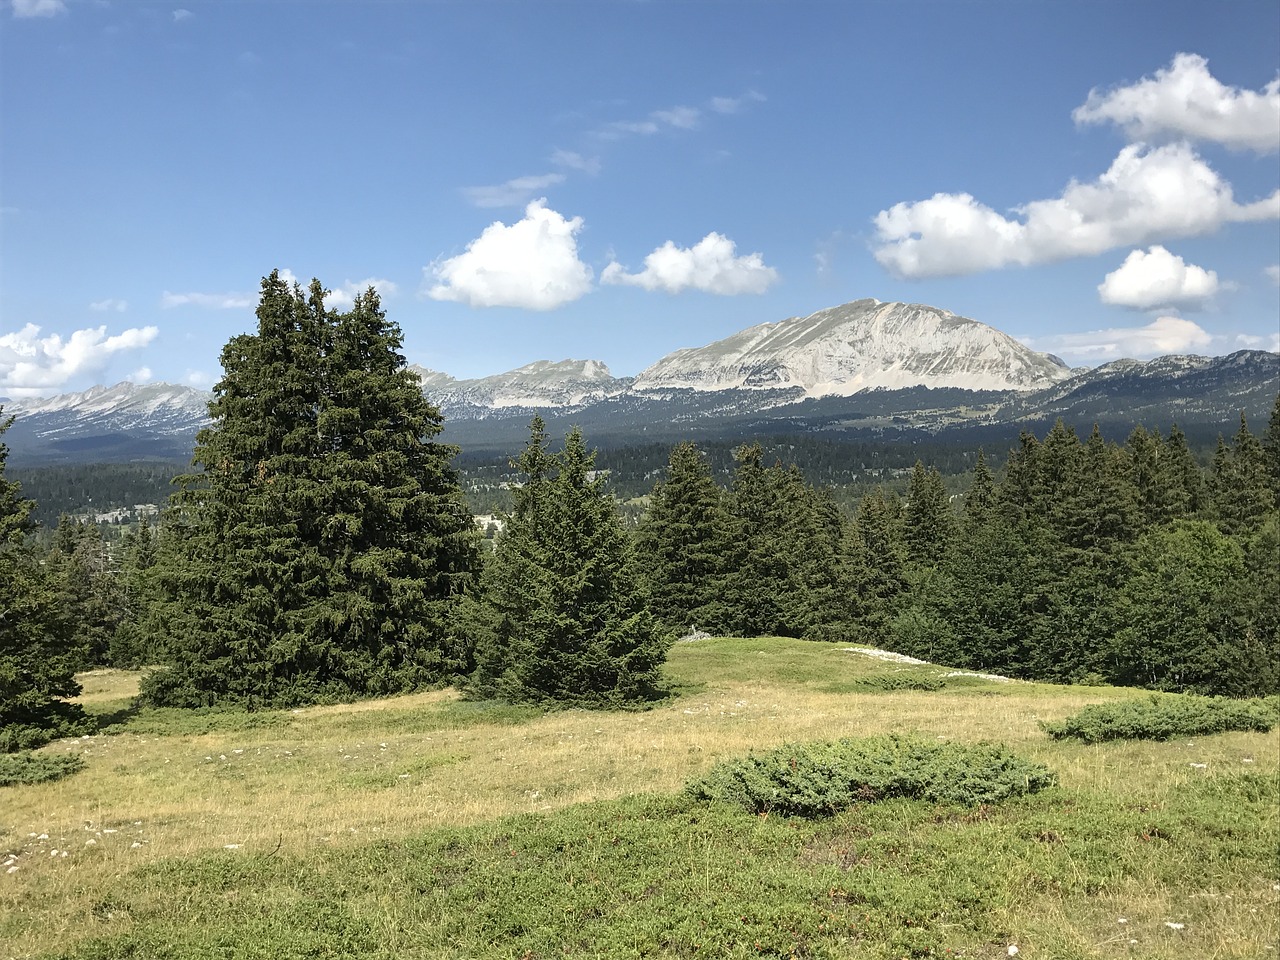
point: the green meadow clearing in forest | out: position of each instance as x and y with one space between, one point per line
428 826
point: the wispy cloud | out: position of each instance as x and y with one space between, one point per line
513 193
1273 273
532 263
209 301
109 305
1163 335
735 104
671 118
32 365
710 265
180 14
23 9
576 161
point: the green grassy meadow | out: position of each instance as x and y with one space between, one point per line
426 826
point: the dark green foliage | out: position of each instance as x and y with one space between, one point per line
821 779
1241 487
892 682
38 649
1182 626
562 616
1271 452
25 767
89 587
927 520
1164 717
321 551
685 542
875 567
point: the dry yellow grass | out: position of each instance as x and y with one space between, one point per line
339 775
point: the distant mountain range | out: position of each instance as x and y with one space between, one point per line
864 367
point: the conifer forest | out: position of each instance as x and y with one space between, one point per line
320 549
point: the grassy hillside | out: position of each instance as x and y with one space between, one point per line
424 826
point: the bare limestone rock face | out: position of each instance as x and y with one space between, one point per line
859 346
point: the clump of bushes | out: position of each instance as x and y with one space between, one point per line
820 779
25 767
900 681
1165 716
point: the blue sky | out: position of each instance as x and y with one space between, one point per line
615 180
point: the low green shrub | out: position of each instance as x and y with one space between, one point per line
19 769
900 681
820 779
1163 717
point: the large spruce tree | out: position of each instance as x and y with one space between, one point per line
562 616
38 645
319 550
685 541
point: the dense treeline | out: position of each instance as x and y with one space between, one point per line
322 550
1085 561
97 488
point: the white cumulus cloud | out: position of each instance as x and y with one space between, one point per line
532 263
1157 278
38 8
141 375
1147 194
344 296
210 301
1184 100
32 365
514 193
1161 336
110 305
709 265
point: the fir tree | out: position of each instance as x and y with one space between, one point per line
926 522
562 616
1241 487
685 540
1271 452
38 652
320 550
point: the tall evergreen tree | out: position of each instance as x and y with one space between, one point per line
926 521
1271 452
562 616
38 651
319 551
876 566
1241 486
685 541
981 496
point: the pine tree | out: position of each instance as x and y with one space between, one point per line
562 616
982 491
320 550
1181 632
38 652
685 540
1241 486
1182 479
1271 452
875 567
926 522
